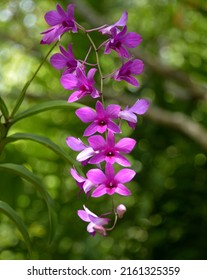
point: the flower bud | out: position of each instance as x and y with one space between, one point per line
120 210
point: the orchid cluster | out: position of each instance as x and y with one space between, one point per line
101 150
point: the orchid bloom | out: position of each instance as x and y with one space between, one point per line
131 67
81 83
109 182
110 151
60 21
120 40
101 119
95 223
65 60
129 114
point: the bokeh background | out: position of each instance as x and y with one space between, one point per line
166 215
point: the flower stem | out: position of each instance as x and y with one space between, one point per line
97 58
24 90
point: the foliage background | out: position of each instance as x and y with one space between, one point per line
167 213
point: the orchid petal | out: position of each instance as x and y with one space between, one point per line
75 144
122 190
86 114
96 176
125 175
125 145
140 107
85 154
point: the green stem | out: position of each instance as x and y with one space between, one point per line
24 90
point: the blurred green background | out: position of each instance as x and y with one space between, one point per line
166 215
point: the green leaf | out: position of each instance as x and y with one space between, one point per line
32 178
3 108
45 106
41 140
44 141
12 214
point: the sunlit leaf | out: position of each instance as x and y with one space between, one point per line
45 106
12 214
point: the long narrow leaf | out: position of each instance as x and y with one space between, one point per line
32 178
41 140
44 141
12 214
3 108
45 106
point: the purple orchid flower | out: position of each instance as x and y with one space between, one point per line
109 151
121 22
129 114
82 84
131 67
60 21
95 223
83 183
65 60
101 119
77 145
120 40
109 182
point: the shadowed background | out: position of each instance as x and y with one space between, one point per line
166 215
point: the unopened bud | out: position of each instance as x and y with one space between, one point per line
120 210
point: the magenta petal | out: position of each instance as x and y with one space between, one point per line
96 176
58 61
91 74
99 191
91 129
101 128
70 11
98 221
61 12
83 215
100 109
140 107
113 127
123 20
122 190
75 144
109 170
76 176
125 175
113 111
110 191
110 139
137 67
122 160
97 142
86 114
76 95
125 145
97 158
53 18
129 116
69 81
131 80
131 40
